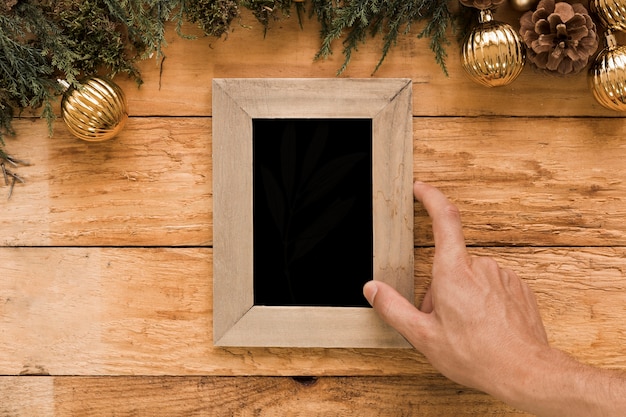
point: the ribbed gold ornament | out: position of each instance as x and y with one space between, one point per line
96 111
493 54
612 13
607 76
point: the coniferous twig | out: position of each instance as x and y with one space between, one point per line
267 10
391 18
10 177
325 13
213 17
435 29
25 71
41 40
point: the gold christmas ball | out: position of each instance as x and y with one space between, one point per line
493 54
607 76
523 5
612 13
96 111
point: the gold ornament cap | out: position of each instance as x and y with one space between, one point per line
96 110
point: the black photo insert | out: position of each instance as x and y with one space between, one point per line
312 211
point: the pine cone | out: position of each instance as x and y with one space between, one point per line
559 36
482 4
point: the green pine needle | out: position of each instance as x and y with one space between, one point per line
357 19
42 40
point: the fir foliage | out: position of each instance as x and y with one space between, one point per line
213 17
267 10
44 40
357 20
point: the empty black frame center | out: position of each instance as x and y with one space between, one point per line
312 211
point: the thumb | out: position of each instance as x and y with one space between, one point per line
397 311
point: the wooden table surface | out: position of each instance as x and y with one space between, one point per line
106 250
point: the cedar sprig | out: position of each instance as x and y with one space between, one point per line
213 17
324 11
10 178
356 20
266 11
435 28
25 70
42 40
96 33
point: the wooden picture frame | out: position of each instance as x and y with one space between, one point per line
236 103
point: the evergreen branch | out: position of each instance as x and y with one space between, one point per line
355 16
388 18
398 18
435 29
6 115
325 13
213 17
266 10
42 40
24 69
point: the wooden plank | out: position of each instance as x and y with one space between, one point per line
149 186
25 397
148 311
287 51
527 181
428 395
425 395
555 179
517 181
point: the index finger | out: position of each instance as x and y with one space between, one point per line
447 227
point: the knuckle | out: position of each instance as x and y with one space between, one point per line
485 262
451 211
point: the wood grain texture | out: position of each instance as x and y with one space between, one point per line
286 51
27 396
106 258
149 186
517 181
527 181
429 395
147 311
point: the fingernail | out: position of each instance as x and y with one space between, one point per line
369 291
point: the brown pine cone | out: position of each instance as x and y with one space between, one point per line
482 4
560 37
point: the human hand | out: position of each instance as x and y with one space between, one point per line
478 324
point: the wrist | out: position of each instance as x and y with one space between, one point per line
523 384
544 383
552 383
